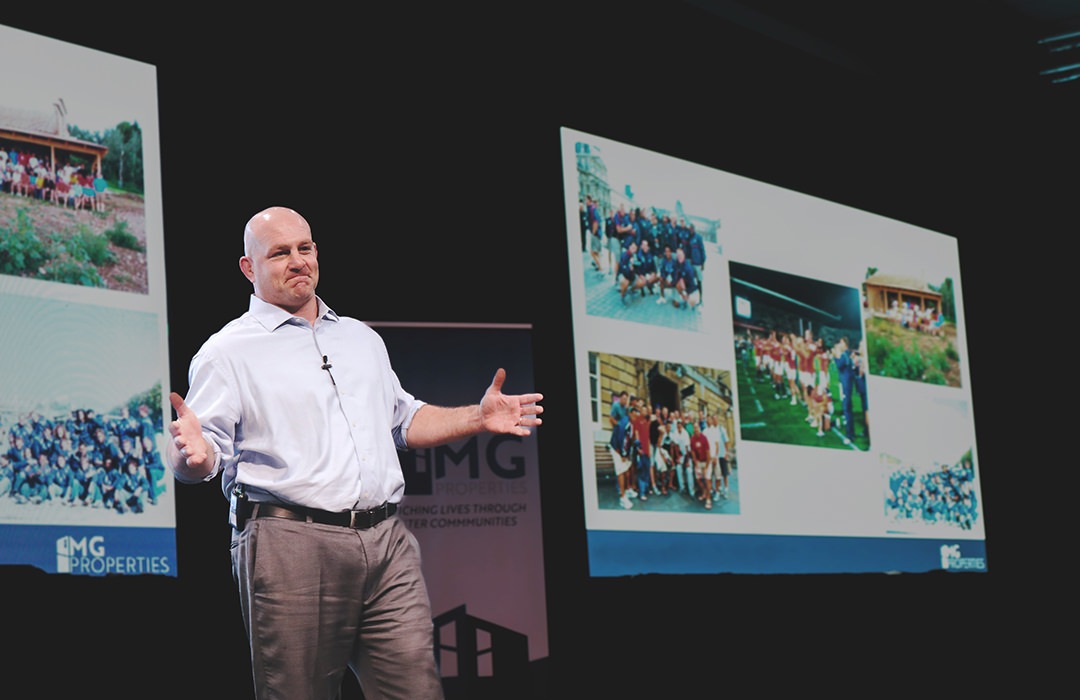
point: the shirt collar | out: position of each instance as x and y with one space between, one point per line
271 317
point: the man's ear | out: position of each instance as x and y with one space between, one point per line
246 268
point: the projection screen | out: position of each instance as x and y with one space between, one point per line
817 351
84 358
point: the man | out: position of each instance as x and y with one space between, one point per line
806 348
132 486
614 244
618 445
665 234
646 267
596 237
666 274
646 229
629 278
299 411
7 475
639 423
861 371
845 370
662 446
696 253
684 463
583 218
700 453
687 284
624 227
717 469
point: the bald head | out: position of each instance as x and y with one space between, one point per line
269 219
281 260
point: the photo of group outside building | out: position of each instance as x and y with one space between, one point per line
650 252
911 328
72 197
665 436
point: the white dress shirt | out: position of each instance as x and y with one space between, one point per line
290 430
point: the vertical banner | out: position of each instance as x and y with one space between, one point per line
474 506
84 361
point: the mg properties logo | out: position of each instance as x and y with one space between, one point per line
951 560
88 555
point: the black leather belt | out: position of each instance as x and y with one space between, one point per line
356 519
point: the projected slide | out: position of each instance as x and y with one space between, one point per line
84 358
768 382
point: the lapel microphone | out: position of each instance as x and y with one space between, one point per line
326 363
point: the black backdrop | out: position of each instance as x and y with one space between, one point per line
424 148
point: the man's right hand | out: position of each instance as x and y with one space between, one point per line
190 457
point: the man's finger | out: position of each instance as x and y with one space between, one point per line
178 404
498 379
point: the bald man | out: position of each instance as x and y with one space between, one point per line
300 412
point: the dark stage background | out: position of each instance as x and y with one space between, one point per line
423 146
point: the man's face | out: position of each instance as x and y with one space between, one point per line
282 262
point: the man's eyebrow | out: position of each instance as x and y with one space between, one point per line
285 246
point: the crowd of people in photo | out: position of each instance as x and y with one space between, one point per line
799 368
83 460
923 319
26 173
946 494
660 452
645 253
